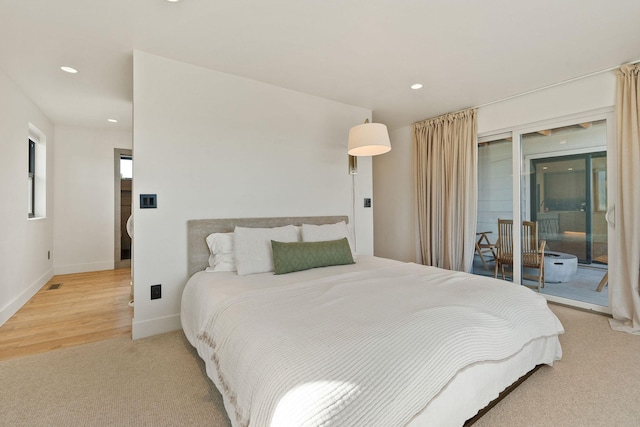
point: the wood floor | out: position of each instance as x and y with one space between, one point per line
86 307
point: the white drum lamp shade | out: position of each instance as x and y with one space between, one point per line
369 139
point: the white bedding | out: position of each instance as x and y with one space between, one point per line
378 342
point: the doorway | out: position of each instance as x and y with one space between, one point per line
123 180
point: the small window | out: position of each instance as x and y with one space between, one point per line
126 167
32 178
36 174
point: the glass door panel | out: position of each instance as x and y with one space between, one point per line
495 199
563 192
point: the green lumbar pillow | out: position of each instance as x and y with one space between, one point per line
297 256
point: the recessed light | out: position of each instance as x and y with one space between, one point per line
564 141
570 169
68 69
416 86
545 167
112 120
173 1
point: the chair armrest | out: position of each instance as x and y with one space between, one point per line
543 243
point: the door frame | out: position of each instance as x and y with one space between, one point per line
118 153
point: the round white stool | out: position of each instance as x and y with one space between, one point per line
559 267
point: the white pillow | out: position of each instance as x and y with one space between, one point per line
252 247
321 233
221 256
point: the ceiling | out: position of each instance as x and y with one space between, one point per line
365 53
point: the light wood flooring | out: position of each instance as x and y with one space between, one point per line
87 307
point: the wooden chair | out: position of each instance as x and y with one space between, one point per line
485 247
532 251
604 259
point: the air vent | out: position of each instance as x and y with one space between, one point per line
54 286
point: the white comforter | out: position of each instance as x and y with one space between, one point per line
369 348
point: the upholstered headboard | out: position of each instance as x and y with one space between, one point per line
199 229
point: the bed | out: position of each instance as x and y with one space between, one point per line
376 342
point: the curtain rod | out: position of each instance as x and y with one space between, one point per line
595 73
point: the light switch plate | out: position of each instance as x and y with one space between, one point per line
148 201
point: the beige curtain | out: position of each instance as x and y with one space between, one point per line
624 268
446 152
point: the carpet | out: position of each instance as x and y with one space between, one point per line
160 381
156 381
595 384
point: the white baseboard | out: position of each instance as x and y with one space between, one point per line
83 268
157 326
10 309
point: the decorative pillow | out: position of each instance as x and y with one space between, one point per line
298 256
320 233
252 247
221 252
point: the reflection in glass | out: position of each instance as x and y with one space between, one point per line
495 200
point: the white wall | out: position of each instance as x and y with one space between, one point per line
579 96
84 198
214 145
24 243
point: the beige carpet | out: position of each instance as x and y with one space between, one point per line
157 381
597 382
160 381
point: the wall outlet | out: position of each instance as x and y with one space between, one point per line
156 291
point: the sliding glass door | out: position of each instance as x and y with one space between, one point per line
551 182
